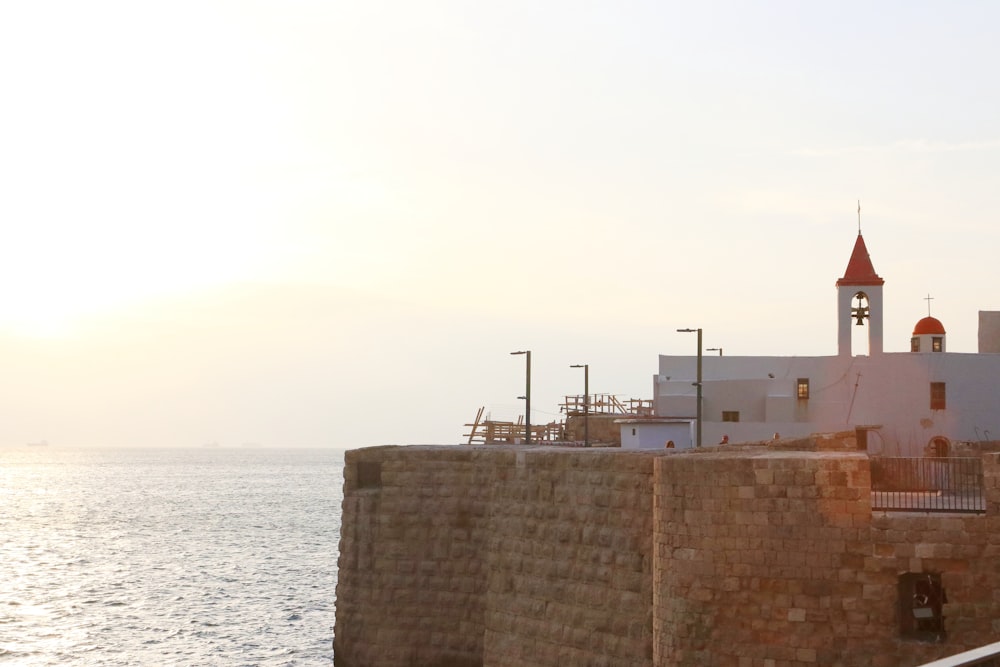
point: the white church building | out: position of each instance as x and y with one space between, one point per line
914 403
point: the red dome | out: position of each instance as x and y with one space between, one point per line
928 325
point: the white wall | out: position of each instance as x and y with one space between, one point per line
636 435
891 390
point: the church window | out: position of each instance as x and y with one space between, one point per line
802 388
915 344
937 396
921 603
730 415
937 343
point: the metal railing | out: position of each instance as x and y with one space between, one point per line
985 656
928 484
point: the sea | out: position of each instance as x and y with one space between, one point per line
199 556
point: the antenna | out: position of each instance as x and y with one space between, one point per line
859 217
928 299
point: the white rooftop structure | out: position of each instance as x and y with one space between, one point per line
910 403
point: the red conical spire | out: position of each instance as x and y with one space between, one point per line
860 270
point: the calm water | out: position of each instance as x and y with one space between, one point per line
168 556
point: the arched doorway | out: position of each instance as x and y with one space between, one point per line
939 447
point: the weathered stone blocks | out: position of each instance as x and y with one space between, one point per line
754 557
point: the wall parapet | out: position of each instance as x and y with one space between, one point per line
488 556
743 556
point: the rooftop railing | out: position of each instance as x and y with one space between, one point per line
945 484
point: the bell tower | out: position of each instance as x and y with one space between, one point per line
859 300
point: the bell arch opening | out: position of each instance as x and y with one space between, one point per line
860 317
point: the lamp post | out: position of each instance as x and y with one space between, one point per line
586 402
698 384
527 397
714 349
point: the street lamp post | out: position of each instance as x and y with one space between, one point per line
698 384
527 397
586 402
714 349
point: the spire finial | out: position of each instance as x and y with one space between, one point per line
859 217
928 299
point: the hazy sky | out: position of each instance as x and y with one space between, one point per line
328 223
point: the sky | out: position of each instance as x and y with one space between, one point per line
328 224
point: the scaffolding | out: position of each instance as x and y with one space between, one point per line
485 431
607 404
490 432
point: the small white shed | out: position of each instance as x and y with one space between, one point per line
652 433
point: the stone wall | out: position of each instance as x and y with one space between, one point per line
744 556
774 559
756 557
600 428
498 556
570 560
411 586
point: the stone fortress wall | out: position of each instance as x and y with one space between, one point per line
750 556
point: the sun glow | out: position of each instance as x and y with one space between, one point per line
134 169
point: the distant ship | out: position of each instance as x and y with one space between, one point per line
40 443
